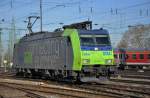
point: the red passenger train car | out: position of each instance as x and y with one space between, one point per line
134 58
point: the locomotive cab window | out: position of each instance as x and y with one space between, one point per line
102 40
87 40
95 40
141 56
133 56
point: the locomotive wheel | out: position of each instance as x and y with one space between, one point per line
59 77
27 75
20 74
121 67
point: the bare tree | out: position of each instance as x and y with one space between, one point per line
136 37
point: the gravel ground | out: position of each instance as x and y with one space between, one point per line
6 92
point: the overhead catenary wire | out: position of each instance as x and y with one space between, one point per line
70 19
119 8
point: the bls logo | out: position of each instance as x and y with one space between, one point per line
106 53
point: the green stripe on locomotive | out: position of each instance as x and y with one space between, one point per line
75 41
81 58
28 57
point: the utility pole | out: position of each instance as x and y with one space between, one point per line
1 47
1 61
12 40
41 13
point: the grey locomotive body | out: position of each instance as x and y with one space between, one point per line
43 52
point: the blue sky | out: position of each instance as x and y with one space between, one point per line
113 15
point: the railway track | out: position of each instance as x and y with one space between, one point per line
27 94
62 91
130 80
110 89
136 76
7 74
143 72
132 76
121 90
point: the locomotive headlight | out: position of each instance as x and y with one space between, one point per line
109 61
85 61
95 48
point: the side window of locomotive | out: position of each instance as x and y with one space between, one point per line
141 56
148 56
133 56
68 41
14 46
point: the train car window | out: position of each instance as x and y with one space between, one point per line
126 56
141 56
148 56
115 55
133 56
120 56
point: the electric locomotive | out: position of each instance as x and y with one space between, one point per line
69 54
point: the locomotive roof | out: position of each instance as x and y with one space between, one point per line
40 35
96 31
